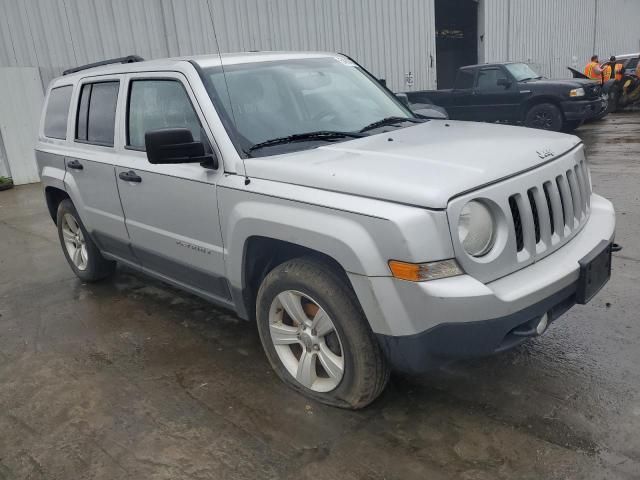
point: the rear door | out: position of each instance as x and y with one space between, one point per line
496 95
90 173
171 210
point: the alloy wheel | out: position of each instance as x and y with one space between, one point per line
306 341
74 242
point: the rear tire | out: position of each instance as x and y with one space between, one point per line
81 253
339 361
544 116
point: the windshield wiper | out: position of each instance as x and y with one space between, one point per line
390 121
301 137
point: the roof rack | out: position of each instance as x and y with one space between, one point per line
127 59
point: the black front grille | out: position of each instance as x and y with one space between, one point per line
547 195
517 222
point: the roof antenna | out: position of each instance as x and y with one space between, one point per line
247 180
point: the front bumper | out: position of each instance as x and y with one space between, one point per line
583 109
424 325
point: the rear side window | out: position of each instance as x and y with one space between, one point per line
464 79
156 104
97 113
55 119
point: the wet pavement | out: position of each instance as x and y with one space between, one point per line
133 379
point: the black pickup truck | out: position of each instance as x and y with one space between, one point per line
515 93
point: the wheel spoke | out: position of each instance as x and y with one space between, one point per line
321 323
68 235
71 222
306 373
332 363
283 334
84 255
77 256
292 303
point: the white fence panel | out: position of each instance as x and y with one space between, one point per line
20 107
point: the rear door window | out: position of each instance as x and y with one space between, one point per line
55 119
97 113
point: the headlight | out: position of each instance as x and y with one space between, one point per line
577 92
476 228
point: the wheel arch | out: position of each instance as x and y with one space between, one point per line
54 196
262 254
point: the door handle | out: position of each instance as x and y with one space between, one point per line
130 176
75 164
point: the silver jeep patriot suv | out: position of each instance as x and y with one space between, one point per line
296 190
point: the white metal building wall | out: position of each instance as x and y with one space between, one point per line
555 34
389 37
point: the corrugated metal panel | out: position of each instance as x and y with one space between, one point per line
618 27
549 34
389 37
552 34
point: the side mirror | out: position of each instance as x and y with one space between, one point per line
404 98
503 82
176 145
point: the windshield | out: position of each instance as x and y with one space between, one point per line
522 71
278 99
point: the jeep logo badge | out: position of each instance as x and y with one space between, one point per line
544 153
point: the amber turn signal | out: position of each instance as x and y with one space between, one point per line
420 272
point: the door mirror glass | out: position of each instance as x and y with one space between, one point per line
176 145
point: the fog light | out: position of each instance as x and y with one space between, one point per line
542 324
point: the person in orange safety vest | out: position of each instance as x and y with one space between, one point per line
612 66
593 69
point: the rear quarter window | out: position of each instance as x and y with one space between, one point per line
97 113
57 112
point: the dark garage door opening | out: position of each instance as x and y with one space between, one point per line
456 38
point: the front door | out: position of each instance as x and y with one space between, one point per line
171 210
496 96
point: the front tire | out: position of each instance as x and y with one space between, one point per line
544 116
316 336
81 253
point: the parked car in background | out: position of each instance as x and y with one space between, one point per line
515 93
295 190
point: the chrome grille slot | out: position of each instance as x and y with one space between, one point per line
576 198
534 213
547 187
517 223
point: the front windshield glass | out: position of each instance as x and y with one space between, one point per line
276 99
522 71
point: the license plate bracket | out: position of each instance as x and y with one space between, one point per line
595 272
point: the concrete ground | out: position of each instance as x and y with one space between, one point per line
133 379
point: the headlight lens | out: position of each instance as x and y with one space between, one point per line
476 229
577 92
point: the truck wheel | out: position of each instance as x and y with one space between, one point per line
83 256
545 116
316 336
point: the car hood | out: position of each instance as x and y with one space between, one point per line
423 165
